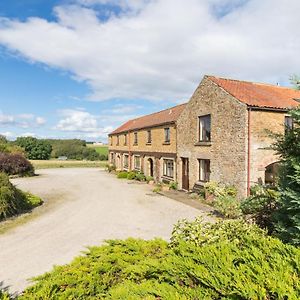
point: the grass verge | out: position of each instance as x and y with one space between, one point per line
50 164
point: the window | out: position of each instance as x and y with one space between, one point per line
167 135
204 170
111 140
125 139
137 162
149 137
288 123
204 128
125 161
118 140
135 138
168 168
112 158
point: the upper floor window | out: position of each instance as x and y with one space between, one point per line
111 140
168 169
167 135
288 123
118 140
149 137
204 128
125 139
204 170
135 138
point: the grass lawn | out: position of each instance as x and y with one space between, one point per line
100 149
47 164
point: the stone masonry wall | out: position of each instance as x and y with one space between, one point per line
227 150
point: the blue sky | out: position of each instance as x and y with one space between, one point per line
79 68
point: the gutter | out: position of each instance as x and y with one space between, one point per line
249 151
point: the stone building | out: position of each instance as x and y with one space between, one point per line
222 134
147 144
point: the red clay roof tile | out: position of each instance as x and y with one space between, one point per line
169 115
259 94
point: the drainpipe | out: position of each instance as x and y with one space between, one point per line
249 152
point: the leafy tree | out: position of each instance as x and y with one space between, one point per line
287 218
35 149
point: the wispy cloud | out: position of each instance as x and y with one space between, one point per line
159 49
21 120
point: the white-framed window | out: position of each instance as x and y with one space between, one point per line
167 135
135 138
204 128
149 137
137 162
168 168
204 170
126 161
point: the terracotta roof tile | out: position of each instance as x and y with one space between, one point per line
258 94
169 115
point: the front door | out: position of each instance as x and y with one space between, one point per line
185 173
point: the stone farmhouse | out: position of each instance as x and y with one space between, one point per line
222 134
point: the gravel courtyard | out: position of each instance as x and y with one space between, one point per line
89 206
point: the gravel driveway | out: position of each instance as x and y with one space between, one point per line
94 206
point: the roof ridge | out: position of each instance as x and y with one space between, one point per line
252 82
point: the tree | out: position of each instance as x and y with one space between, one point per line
35 149
287 218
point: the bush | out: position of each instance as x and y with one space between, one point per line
228 206
15 164
122 175
158 188
131 175
13 201
234 261
213 190
149 178
173 185
140 176
34 148
261 205
110 168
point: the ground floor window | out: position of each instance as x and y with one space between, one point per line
126 161
112 158
168 168
204 170
137 162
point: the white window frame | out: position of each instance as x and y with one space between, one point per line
135 159
125 157
166 170
201 136
202 170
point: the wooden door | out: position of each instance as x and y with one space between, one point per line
185 173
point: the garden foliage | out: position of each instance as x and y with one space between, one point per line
15 164
13 201
227 260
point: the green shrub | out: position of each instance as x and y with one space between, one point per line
149 178
157 188
15 164
173 185
131 175
13 201
110 168
234 261
228 206
122 175
4 295
140 176
261 205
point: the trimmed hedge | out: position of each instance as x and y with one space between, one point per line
234 261
15 164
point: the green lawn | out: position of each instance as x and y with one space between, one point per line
100 149
48 164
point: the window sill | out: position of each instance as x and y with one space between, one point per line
148 144
166 143
206 144
201 183
135 144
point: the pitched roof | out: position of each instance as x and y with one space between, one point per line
169 115
259 94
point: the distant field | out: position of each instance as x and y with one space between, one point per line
100 149
47 164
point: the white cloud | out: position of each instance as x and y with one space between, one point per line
160 49
21 120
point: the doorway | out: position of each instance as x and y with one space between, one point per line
185 173
150 167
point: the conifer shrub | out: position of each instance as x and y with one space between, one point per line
227 260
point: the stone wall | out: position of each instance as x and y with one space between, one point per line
228 147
